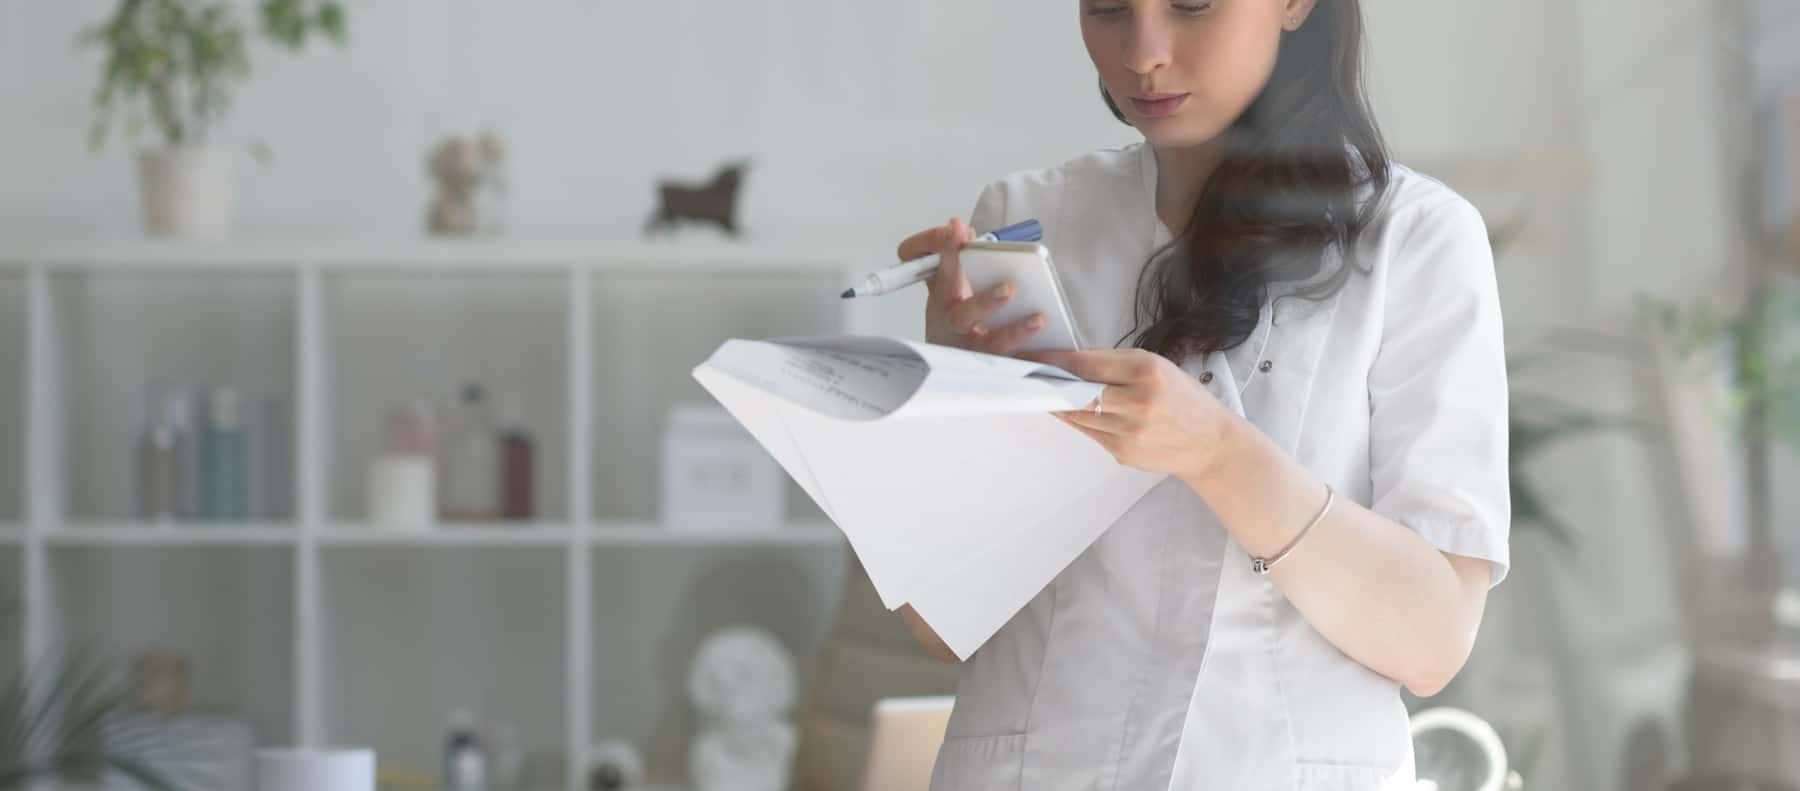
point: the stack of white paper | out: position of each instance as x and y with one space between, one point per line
956 488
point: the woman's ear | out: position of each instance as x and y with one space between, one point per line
1295 12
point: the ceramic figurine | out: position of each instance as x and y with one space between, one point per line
714 202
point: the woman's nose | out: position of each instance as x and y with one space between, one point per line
1149 44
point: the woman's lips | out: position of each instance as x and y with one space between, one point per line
1158 107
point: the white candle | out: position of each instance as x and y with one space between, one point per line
315 770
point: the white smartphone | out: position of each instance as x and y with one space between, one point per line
1036 289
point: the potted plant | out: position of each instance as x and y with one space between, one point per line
175 64
1749 354
68 719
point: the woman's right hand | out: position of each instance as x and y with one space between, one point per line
954 314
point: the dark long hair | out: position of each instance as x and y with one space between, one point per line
1285 190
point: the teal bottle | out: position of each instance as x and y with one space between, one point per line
224 456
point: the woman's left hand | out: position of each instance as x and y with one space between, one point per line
1153 415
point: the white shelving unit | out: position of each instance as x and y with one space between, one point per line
321 629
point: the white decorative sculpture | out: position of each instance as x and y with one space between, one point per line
742 684
470 186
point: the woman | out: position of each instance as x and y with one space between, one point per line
1309 345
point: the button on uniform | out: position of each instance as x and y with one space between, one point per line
1206 377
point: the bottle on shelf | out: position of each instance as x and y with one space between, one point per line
162 449
471 461
403 480
224 457
518 463
465 764
1789 152
185 411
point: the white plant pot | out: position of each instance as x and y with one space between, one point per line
188 192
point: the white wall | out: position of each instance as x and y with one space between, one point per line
867 115
866 120
870 119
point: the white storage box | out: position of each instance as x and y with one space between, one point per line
715 477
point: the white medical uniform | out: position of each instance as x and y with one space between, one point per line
1159 659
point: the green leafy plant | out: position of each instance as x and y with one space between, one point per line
68 720
178 62
1761 342
1757 347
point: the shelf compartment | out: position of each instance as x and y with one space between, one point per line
126 339
651 607
649 333
227 610
14 313
395 338
409 637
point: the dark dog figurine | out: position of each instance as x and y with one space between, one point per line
712 203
